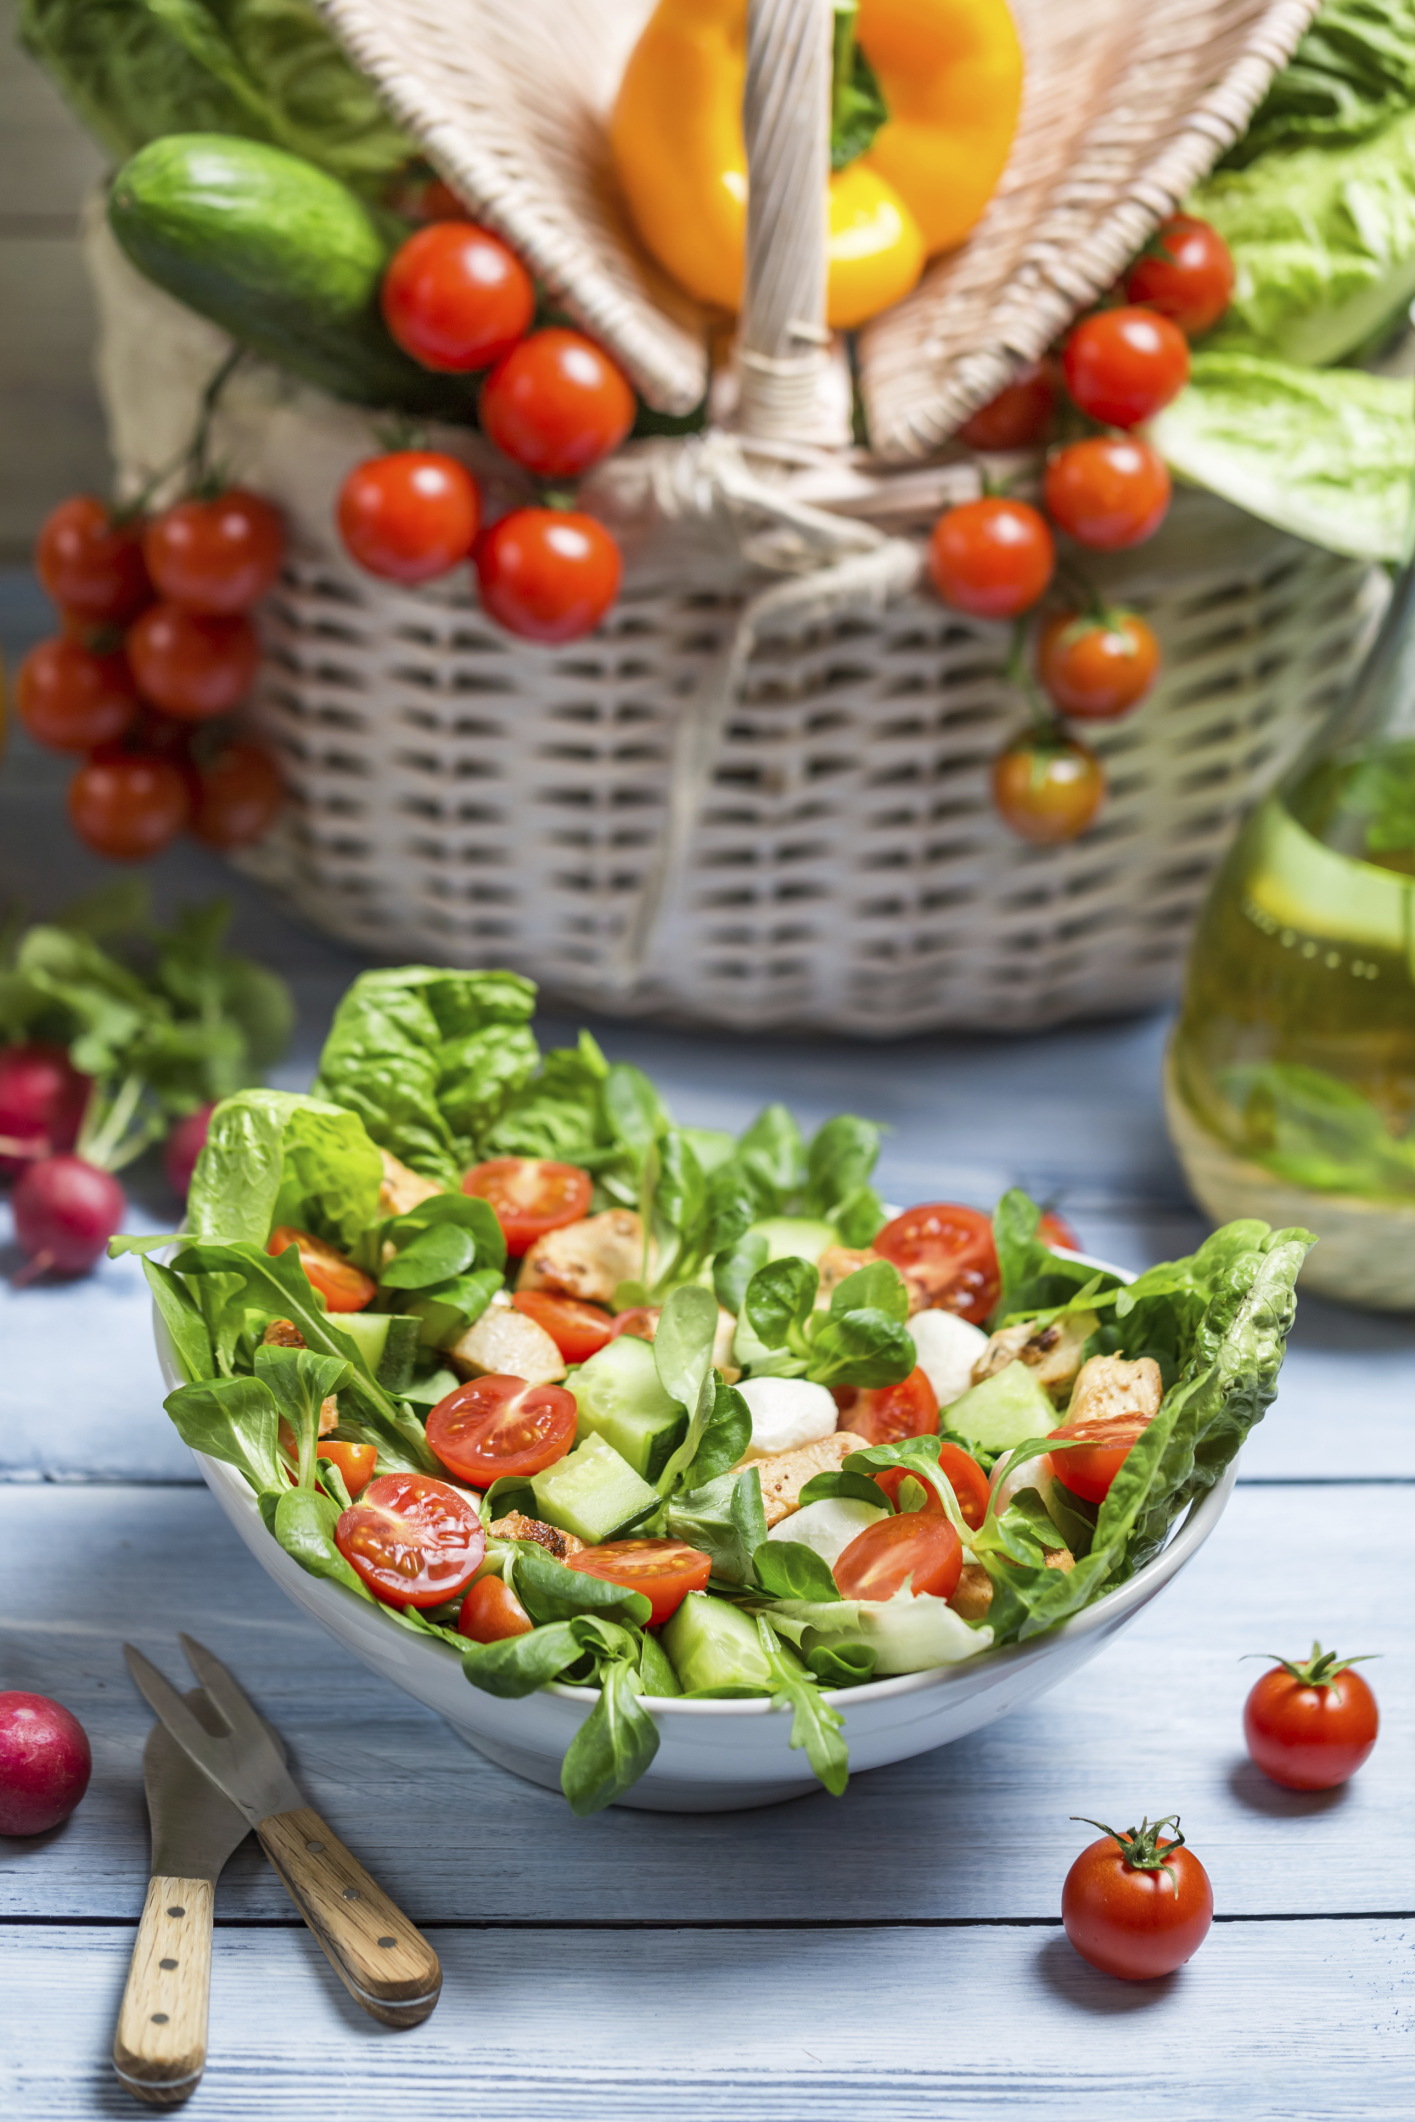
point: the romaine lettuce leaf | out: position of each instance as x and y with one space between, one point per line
272 1156
907 1634
1352 72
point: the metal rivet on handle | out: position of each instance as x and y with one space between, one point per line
167 1963
176 1911
351 1893
386 1942
314 1848
159 2018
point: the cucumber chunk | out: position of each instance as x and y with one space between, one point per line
620 1399
1004 1410
593 1493
796 1237
713 1644
388 1343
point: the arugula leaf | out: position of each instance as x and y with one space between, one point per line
723 1518
183 1319
814 1724
305 1519
788 1569
613 1747
300 1382
235 1419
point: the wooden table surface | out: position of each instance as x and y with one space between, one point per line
895 1953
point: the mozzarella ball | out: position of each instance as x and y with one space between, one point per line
786 1412
947 1348
828 1527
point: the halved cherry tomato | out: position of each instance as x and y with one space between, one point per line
1055 1231
882 1414
500 1425
1186 272
1123 366
415 1541
641 1320
949 1250
344 1287
1103 1448
963 1475
917 1544
491 1612
355 1462
530 1195
665 1571
578 1330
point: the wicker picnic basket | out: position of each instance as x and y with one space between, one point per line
759 794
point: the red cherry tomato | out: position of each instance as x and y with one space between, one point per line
491 1612
218 556
414 1541
344 1287
556 404
238 797
1055 1231
128 806
1048 789
1134 1921
410 516
548 574
665 1571
530 1196
193 665
1097 668
1109 492
91 565
949 1251
455 298
578 1330
992 558
915 1544
1311 1725
640 1321
1185 272
422 198
500 1425
882 1414
72 700
963 1475
1123 366
1102 1449
1019 416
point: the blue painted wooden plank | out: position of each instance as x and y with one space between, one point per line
978 1830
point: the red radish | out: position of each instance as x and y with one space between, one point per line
45 1763
65 1213
183 1146
42 1100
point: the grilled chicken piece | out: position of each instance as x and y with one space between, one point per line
282 1333
1109 1386
973 1594
1053 1352
838 1261
517 1526
588 1259
508 1343
785 1474
403 1189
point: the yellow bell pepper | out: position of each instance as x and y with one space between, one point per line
950 72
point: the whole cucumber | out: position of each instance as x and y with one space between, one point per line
282 256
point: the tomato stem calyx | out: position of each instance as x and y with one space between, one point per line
1141 1846
1320 1669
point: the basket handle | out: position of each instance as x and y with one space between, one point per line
782 338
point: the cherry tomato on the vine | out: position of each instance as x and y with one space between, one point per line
92 565
578 1330
500 1425
1123 366
948 1249
414 1540
218 556
991 558
409 516
665 1571
1019 416
192 664
548 574
1047 788
455 298
73 700
1310 1724
128 805
1139 1904
556 404
238 796
1108 492
1097 667
921 1545
882 1414
344 1287
491 1613
1185 272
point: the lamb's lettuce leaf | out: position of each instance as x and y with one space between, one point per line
234 1419
724 1518
273 1156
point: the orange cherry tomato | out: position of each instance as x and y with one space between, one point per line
548 574
218 556
1103 1449
128 805
1108 492
1097 668
415 1541
530 1196
91 564
1123 366
665 1571
1048 789
500 1425
882 1414
1186 273
641 1321
578 1330
454 297
72 699
949 1251
491 1612
1019 416
921 1545
344 1287
963 1475
238 797
991 558
556 403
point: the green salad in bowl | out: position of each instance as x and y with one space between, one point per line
660 1418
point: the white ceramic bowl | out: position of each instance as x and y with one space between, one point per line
712 1756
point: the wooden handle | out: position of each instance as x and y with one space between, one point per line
159 2050
384 1962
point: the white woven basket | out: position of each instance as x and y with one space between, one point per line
759 795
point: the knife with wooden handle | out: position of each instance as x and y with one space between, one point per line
382 1959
